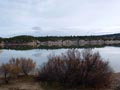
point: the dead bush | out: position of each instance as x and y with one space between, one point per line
5 72
76 68
16 67
27 65
21 65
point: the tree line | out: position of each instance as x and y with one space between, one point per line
26 38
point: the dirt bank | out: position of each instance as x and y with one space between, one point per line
28 83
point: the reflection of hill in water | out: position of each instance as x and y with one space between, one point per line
27 47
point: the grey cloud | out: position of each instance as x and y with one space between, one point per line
59 17
36 28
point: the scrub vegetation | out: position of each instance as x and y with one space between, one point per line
70 69
77 68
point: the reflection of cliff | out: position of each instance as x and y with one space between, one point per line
68 43
78 42
62 44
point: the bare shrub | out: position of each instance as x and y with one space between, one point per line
53 70
26 65
21 65
15 67
5 72
76 68
117 88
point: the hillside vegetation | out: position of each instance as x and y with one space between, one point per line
26 38
59 41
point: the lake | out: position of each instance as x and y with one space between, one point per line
109 53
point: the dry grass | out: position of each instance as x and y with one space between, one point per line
22 83
28 83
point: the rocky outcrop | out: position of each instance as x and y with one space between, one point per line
78 42
98 42
112 42
68 43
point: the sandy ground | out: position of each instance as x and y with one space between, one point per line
23 83
29 84
21 86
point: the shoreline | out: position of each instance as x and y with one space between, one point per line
28 83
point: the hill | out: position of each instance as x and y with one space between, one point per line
61 41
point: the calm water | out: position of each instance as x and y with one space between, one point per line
111 54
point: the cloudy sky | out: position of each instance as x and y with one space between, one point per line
59 17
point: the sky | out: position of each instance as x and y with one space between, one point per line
59 17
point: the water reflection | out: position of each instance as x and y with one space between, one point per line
111 54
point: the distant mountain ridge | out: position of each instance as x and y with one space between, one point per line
109 35
116 34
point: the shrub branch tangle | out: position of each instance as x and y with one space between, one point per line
16 67
77 68
5 72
